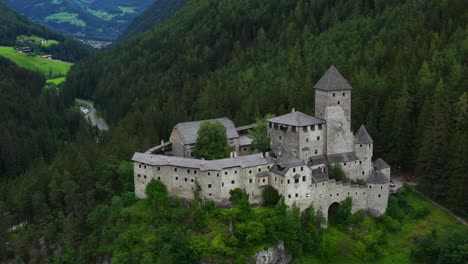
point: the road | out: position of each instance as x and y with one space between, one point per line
91 116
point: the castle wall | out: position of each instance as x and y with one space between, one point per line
312 141
339 136
177 144
358 169
324 99
378 198
287 139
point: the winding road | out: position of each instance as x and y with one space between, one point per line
91 115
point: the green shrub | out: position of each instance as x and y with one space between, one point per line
270 196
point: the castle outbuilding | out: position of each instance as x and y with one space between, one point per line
303 148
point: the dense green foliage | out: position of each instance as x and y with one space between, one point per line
33 123
89 19
243 59
155 14
212 142
260 139
270 195
13 25
337 173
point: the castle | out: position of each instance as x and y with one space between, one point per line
303 148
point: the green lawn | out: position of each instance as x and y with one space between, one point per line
127 9
56 81
65 17
102 14
38 39
35 63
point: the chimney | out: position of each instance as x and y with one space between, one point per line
232 154
162 142
293 110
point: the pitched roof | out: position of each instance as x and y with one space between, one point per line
203 165
317 160
342 157
297 119
380 164
319 176
332 80
378 178
285 160
362 136
189 130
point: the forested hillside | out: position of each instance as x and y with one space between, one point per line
158 12
406 61
34 122
13 25
85 19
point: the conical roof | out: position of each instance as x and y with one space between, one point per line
332 80
362 136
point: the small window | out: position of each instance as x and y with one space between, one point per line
259 169
222 184
209 194
323 184
303 178
338 102
307 139
145 166
235 172
276 179
232 182
159 168
370 187
316 151
360 162
360 146
304 129
362 173
139 165
297 195
331 195
356 193
344 94
185 179
250 171
225 173
348 193
176 178
188 171
209 185
269 124
250 180
293 129
307 195
318 138
333 94
312 127
245 149
280 137
320 127
294 169
345 164
209 173
144 176
296 180
191 180
175 169
364 193
379 195
337 194
381 187
289 181
268 167
289 196
302 168
159 178
139 176
263 180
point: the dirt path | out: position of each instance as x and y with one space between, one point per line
91 116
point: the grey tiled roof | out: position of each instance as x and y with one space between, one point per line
298 119
244 128
203 165
158 148
342 157
318 160
319 176
378 178
380 164
332 80
362 136
245 140
263 174
285 160
189 130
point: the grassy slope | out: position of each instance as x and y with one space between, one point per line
399 244
38 39
35 63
